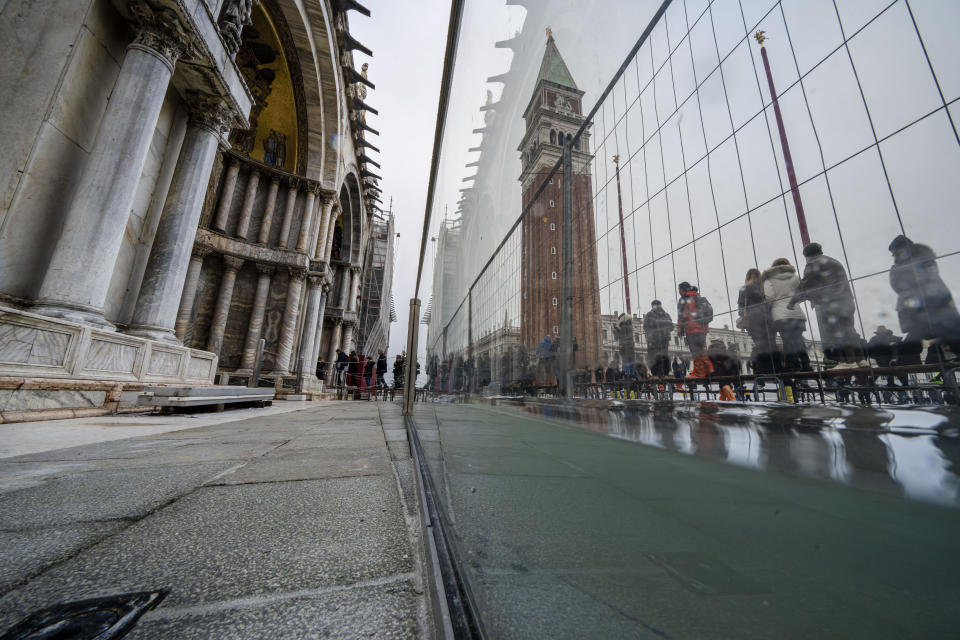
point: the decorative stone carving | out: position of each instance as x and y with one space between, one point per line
160 31
235 16
209 112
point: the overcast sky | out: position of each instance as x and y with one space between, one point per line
832 121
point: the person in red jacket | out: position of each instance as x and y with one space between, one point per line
694 314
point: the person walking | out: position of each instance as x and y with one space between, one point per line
780 284
694 314
826 286
657 327
925 306
368 371
381 369
343 361
884 347
754 317
398 372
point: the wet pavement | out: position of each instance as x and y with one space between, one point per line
679 520
300 525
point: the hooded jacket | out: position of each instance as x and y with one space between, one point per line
688 318
780 284
924 303
825 284
657 326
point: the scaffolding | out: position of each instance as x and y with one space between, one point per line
377 308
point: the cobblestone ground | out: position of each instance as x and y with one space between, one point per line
293 525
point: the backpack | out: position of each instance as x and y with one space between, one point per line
704 311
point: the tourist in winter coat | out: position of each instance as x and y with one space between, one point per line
694 314
780 284
925 305
825 284
381 368
884 347
657 327
754 316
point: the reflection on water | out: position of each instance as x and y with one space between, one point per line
914 453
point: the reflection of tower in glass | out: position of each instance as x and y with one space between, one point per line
552 116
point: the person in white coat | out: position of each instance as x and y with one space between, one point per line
780 284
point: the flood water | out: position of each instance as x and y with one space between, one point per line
694 520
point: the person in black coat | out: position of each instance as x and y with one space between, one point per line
657 328
884 347
381 369
925 305
754 317
825 284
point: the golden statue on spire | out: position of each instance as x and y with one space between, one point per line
760 37
549 32
616 160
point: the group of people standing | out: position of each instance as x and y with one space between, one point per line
357 370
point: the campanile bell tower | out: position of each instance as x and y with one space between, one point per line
553 116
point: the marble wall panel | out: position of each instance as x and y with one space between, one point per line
31 345
110 356
164 362
33 399
36 40
33 223
200 369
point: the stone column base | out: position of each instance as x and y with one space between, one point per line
37 346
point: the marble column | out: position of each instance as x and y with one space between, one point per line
255 325
288 326
306 224
354 288
328 240
348 337
318 334
267 221
155 314
320 249
332 352
78 277
218 325
345 285
226 195
288 213
246 211
189 295
314 292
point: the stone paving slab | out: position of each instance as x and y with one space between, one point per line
386 612
287 526
100 495
310 464
29 551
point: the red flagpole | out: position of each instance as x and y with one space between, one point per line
623 237
787 159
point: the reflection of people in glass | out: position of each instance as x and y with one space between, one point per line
755 318
657 327
868 458
780 284
925 306
883 347
825 284
694 315
708 440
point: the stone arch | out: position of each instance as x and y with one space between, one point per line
351 187
312 31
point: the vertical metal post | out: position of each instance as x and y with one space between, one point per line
410 375
470 338
566 311
787 158
623 239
